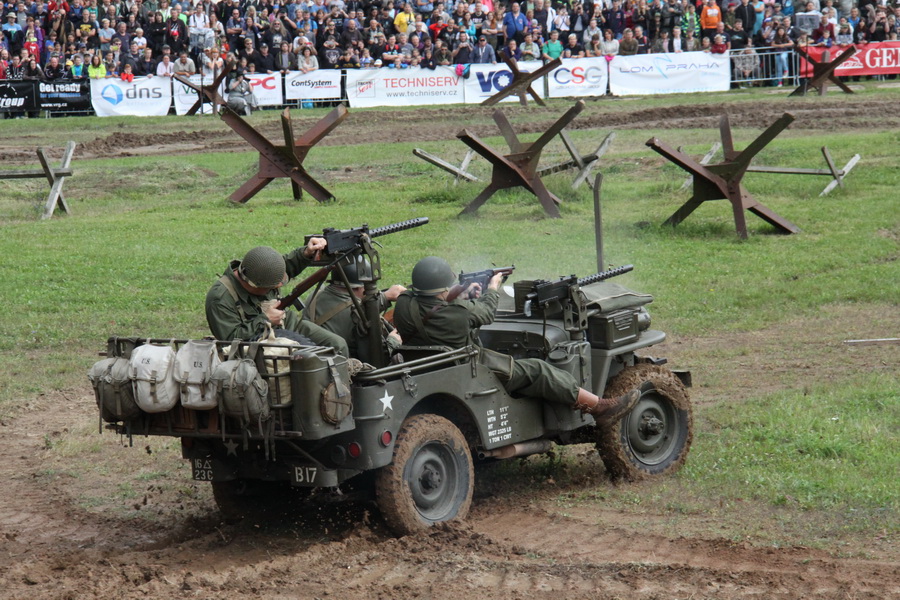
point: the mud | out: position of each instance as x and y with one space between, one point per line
434 124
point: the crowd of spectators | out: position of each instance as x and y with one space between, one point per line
61 39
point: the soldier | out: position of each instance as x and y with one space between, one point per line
330 309
424 317
242 302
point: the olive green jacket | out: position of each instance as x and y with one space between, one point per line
453 324
244 320
334 303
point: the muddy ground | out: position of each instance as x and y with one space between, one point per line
70 529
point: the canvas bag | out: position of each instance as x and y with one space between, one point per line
194 366
112 389
242 392
152 370
274 367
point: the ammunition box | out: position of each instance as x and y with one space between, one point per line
611 330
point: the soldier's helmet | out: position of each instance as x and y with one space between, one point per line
263 267
352 273
431 276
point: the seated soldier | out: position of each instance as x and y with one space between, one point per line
242 302
330 308
424 317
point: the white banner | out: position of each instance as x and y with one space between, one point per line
669 73
579 77
486 80
266 88
144 97
322 84
403 87
185 97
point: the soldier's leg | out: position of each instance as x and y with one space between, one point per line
533 377
321 336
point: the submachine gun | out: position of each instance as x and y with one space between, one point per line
547 299
354 246
482 278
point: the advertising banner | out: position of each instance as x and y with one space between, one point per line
579 77
669 73
144 97
267 88
323 84
65 95
403 87
874 58
185 97
486 80
18 96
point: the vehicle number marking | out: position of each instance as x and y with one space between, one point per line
305 474
202 469
498 427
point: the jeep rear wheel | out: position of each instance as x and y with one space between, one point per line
429 480
654 438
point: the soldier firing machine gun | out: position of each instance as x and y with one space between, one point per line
346 246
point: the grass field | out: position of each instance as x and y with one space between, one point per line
149 234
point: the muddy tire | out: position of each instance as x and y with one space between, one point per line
429 480
654 438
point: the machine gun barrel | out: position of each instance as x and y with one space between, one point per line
604 275
395 227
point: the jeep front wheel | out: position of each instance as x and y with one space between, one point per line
429 480
654 438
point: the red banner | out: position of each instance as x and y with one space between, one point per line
875 58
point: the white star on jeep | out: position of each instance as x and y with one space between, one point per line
386 401
231 446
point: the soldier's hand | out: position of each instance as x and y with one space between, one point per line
396 336
472 291
496 281
314 248
394 292
274 315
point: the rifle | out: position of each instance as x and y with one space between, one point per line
480 277
343 244
545 292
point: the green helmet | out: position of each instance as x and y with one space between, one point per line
263 267
431 276
352 276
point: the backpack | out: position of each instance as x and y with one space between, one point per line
278 365
152 374
113 390
194 366
242 392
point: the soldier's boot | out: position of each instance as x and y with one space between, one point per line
606 411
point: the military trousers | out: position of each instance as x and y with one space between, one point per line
535 378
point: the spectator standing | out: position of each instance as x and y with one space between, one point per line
738 36
165 68
690 21
491 30
184 66
54 71
462 54
176 32
483 52
628 46
265 61
285 60
515 23
531 50
146 66
96 70
747 14
307 61
609 45
573 49
710 18
553 49
404 19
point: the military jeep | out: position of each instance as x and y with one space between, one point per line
419 421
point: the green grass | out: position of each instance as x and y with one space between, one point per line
149 235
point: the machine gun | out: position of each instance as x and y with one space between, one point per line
340 241
546 292
564 296
341 247
482 278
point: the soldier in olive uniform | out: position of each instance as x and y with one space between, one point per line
425 318
330 309
242 302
